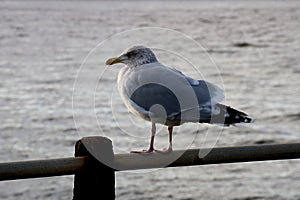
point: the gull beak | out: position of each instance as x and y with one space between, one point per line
116 60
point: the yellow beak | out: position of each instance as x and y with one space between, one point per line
112 61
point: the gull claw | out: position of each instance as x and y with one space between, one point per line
165 150
144 151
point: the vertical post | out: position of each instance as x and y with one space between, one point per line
97 179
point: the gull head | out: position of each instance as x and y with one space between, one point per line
134 56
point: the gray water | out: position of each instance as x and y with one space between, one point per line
43 43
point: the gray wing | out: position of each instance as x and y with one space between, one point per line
206 92
151 94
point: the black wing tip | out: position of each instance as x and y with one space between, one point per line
249 120
236 116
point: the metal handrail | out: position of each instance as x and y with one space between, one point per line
122 162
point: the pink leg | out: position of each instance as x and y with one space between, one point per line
151 146
169 149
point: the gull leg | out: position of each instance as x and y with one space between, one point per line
169 149
153 131
170 129
151 146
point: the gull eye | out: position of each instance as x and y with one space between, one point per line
131 54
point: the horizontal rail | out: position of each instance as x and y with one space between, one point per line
69 166
41 168
211 156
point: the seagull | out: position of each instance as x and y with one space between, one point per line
164 95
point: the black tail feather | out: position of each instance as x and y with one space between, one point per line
234 116
229 116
